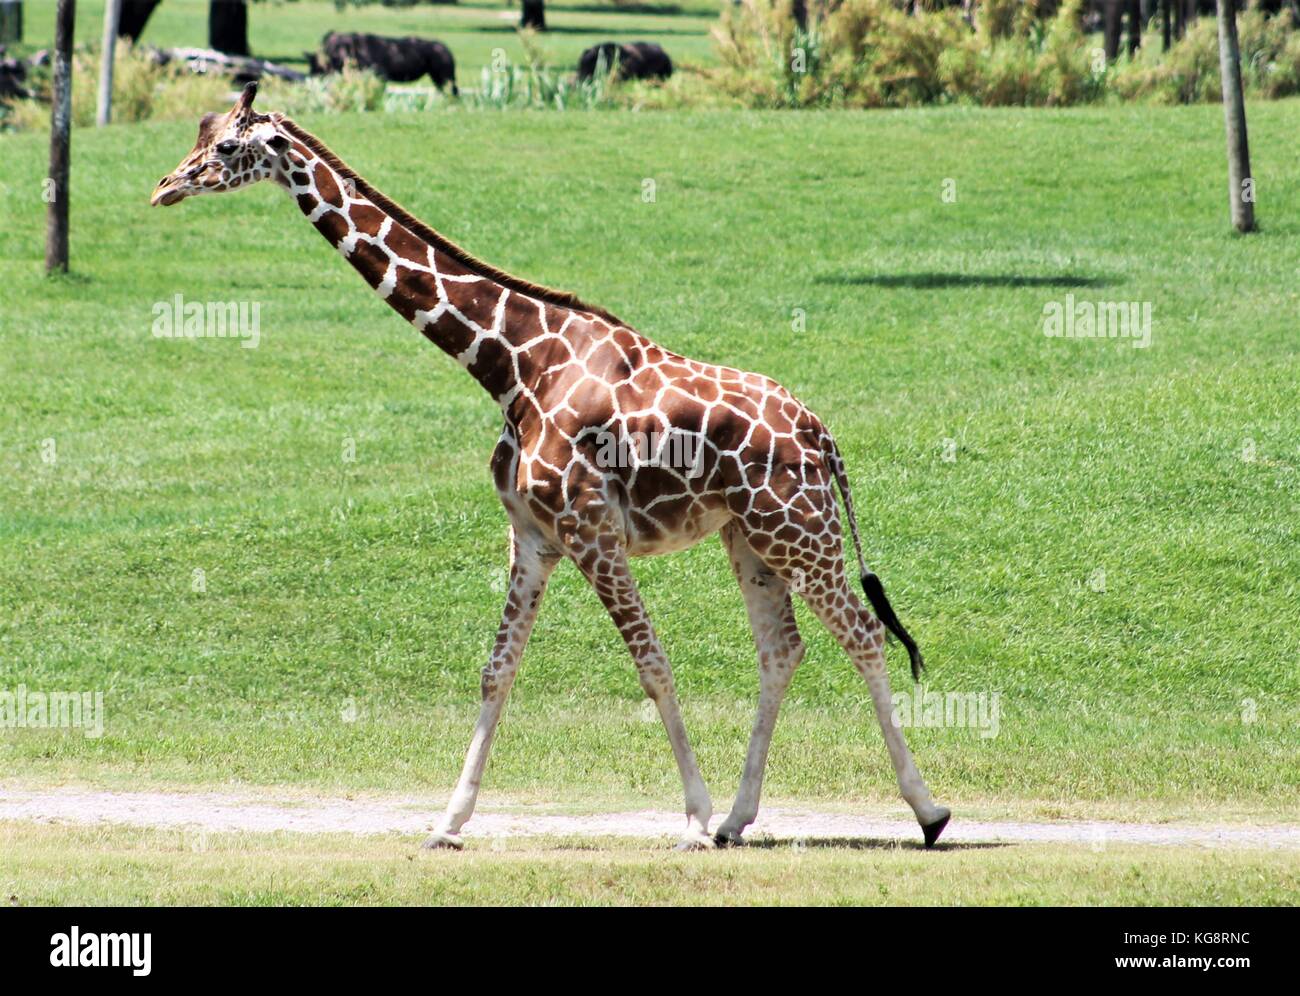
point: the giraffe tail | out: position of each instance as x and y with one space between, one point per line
885 613
871 584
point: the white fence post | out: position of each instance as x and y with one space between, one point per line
112 14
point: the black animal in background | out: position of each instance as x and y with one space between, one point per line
401 60
634 61
13 74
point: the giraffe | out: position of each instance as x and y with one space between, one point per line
576 387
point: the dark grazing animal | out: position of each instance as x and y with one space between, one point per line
13 74
401 60
634 61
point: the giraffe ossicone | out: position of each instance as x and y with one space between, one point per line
763 470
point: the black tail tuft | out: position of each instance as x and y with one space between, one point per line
885 613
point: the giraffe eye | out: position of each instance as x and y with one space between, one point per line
227 148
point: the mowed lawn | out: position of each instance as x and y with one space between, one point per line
43 865
1104 536
473 31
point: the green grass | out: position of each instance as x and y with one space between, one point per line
284 31
373 581
42 865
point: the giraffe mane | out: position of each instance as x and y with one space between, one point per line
565 299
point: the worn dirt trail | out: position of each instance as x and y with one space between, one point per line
228 811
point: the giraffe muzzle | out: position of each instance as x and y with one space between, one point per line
166 195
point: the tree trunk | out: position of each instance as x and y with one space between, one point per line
1241 187
1134 26
799 8
533 15
11 21
1113 13
1164 26
135 15
104 105
56 227
228 26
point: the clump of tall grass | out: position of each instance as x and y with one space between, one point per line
1014 58
1189 71
873 53
536 85
537 88
350 89
142 90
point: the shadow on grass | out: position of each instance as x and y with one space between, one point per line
580 29
595 844
865 844
663 10
930 281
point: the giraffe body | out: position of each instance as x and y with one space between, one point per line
612 447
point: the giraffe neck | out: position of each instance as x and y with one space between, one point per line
477 319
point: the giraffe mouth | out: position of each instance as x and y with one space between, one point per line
166 196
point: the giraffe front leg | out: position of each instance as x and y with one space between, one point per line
603 561
774 679
780 650
530 567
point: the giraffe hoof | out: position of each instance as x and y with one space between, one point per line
694 841
695 845
932 830
728 838
443 841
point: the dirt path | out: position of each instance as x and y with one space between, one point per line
222 811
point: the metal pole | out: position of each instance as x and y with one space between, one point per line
56 228
112 15
1241 187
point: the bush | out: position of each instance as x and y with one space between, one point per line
852 53
871 53
1189 72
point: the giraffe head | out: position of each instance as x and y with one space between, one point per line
234 149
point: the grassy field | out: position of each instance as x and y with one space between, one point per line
284 31
1104 535
121 867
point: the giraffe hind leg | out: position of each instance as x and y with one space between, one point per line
813 566
862 637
